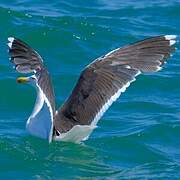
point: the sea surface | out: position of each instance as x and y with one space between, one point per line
138 137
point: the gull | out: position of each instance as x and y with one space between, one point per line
99 85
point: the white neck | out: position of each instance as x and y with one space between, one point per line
40 123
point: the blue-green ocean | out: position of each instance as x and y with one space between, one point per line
138 137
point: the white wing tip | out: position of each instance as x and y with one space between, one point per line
171 39
159 68
10 39
172 42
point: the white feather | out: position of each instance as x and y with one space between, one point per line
172 42
40 123
111 52
10 39
171 39
77 134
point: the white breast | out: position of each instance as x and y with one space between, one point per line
40 123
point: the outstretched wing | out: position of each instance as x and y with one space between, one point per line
102 82
27 60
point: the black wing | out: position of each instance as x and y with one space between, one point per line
27 60
102 82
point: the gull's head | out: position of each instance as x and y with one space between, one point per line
28 80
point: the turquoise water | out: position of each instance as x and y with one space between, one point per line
139 136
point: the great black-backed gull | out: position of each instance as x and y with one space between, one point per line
99 85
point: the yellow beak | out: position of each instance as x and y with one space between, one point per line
22 80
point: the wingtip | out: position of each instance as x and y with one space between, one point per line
10 41
171 39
